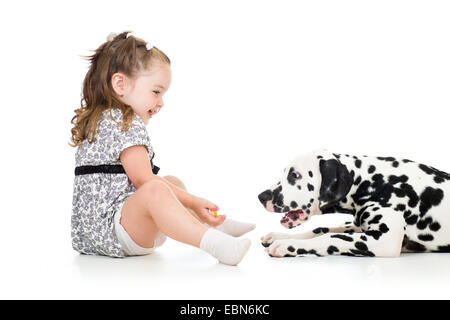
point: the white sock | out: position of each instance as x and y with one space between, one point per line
235 228
226 249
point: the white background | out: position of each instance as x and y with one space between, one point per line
255 83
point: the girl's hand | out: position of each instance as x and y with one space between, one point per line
202 208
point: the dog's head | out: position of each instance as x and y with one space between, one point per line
310 184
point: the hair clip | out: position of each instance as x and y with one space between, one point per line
111 36
149 46
129 35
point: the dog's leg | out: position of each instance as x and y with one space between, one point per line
382 236
273 236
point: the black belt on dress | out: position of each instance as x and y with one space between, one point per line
106 168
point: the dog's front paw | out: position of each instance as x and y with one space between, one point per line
281 248
269 238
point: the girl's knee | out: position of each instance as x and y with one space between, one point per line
155 188
174 180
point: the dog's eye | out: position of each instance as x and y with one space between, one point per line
295 175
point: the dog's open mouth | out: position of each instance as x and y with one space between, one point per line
293 218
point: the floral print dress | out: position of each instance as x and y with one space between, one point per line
101 185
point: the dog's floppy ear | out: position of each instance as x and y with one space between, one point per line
336 182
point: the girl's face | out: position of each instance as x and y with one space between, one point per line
145 93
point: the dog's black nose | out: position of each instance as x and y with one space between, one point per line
265 196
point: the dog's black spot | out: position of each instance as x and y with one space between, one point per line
357 181
390 159
422 224
393 179
412 219
395 164
312 200
425 237
299 187
374 234
371 169
411 194
435 226
399 192
400 207
294 204
384 228
412 245
376 219
362 253
364 238
321 230
428 198
361 216
443 248
310 174
304 207
338 208
291 249
361 246
439 176
342 237
438 180
332 249
347 254
310 187
301 251
358 163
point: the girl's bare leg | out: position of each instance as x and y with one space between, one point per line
154 208
231 227
177 182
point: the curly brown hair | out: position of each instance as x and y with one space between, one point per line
121 53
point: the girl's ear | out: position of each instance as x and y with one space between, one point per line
119 82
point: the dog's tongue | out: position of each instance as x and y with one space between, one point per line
293 218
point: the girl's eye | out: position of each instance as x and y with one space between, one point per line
156 92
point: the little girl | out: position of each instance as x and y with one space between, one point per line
120 206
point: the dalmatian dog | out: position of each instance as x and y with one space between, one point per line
398 206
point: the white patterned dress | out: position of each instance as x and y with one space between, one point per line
101 186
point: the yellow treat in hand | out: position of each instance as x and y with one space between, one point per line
214 213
